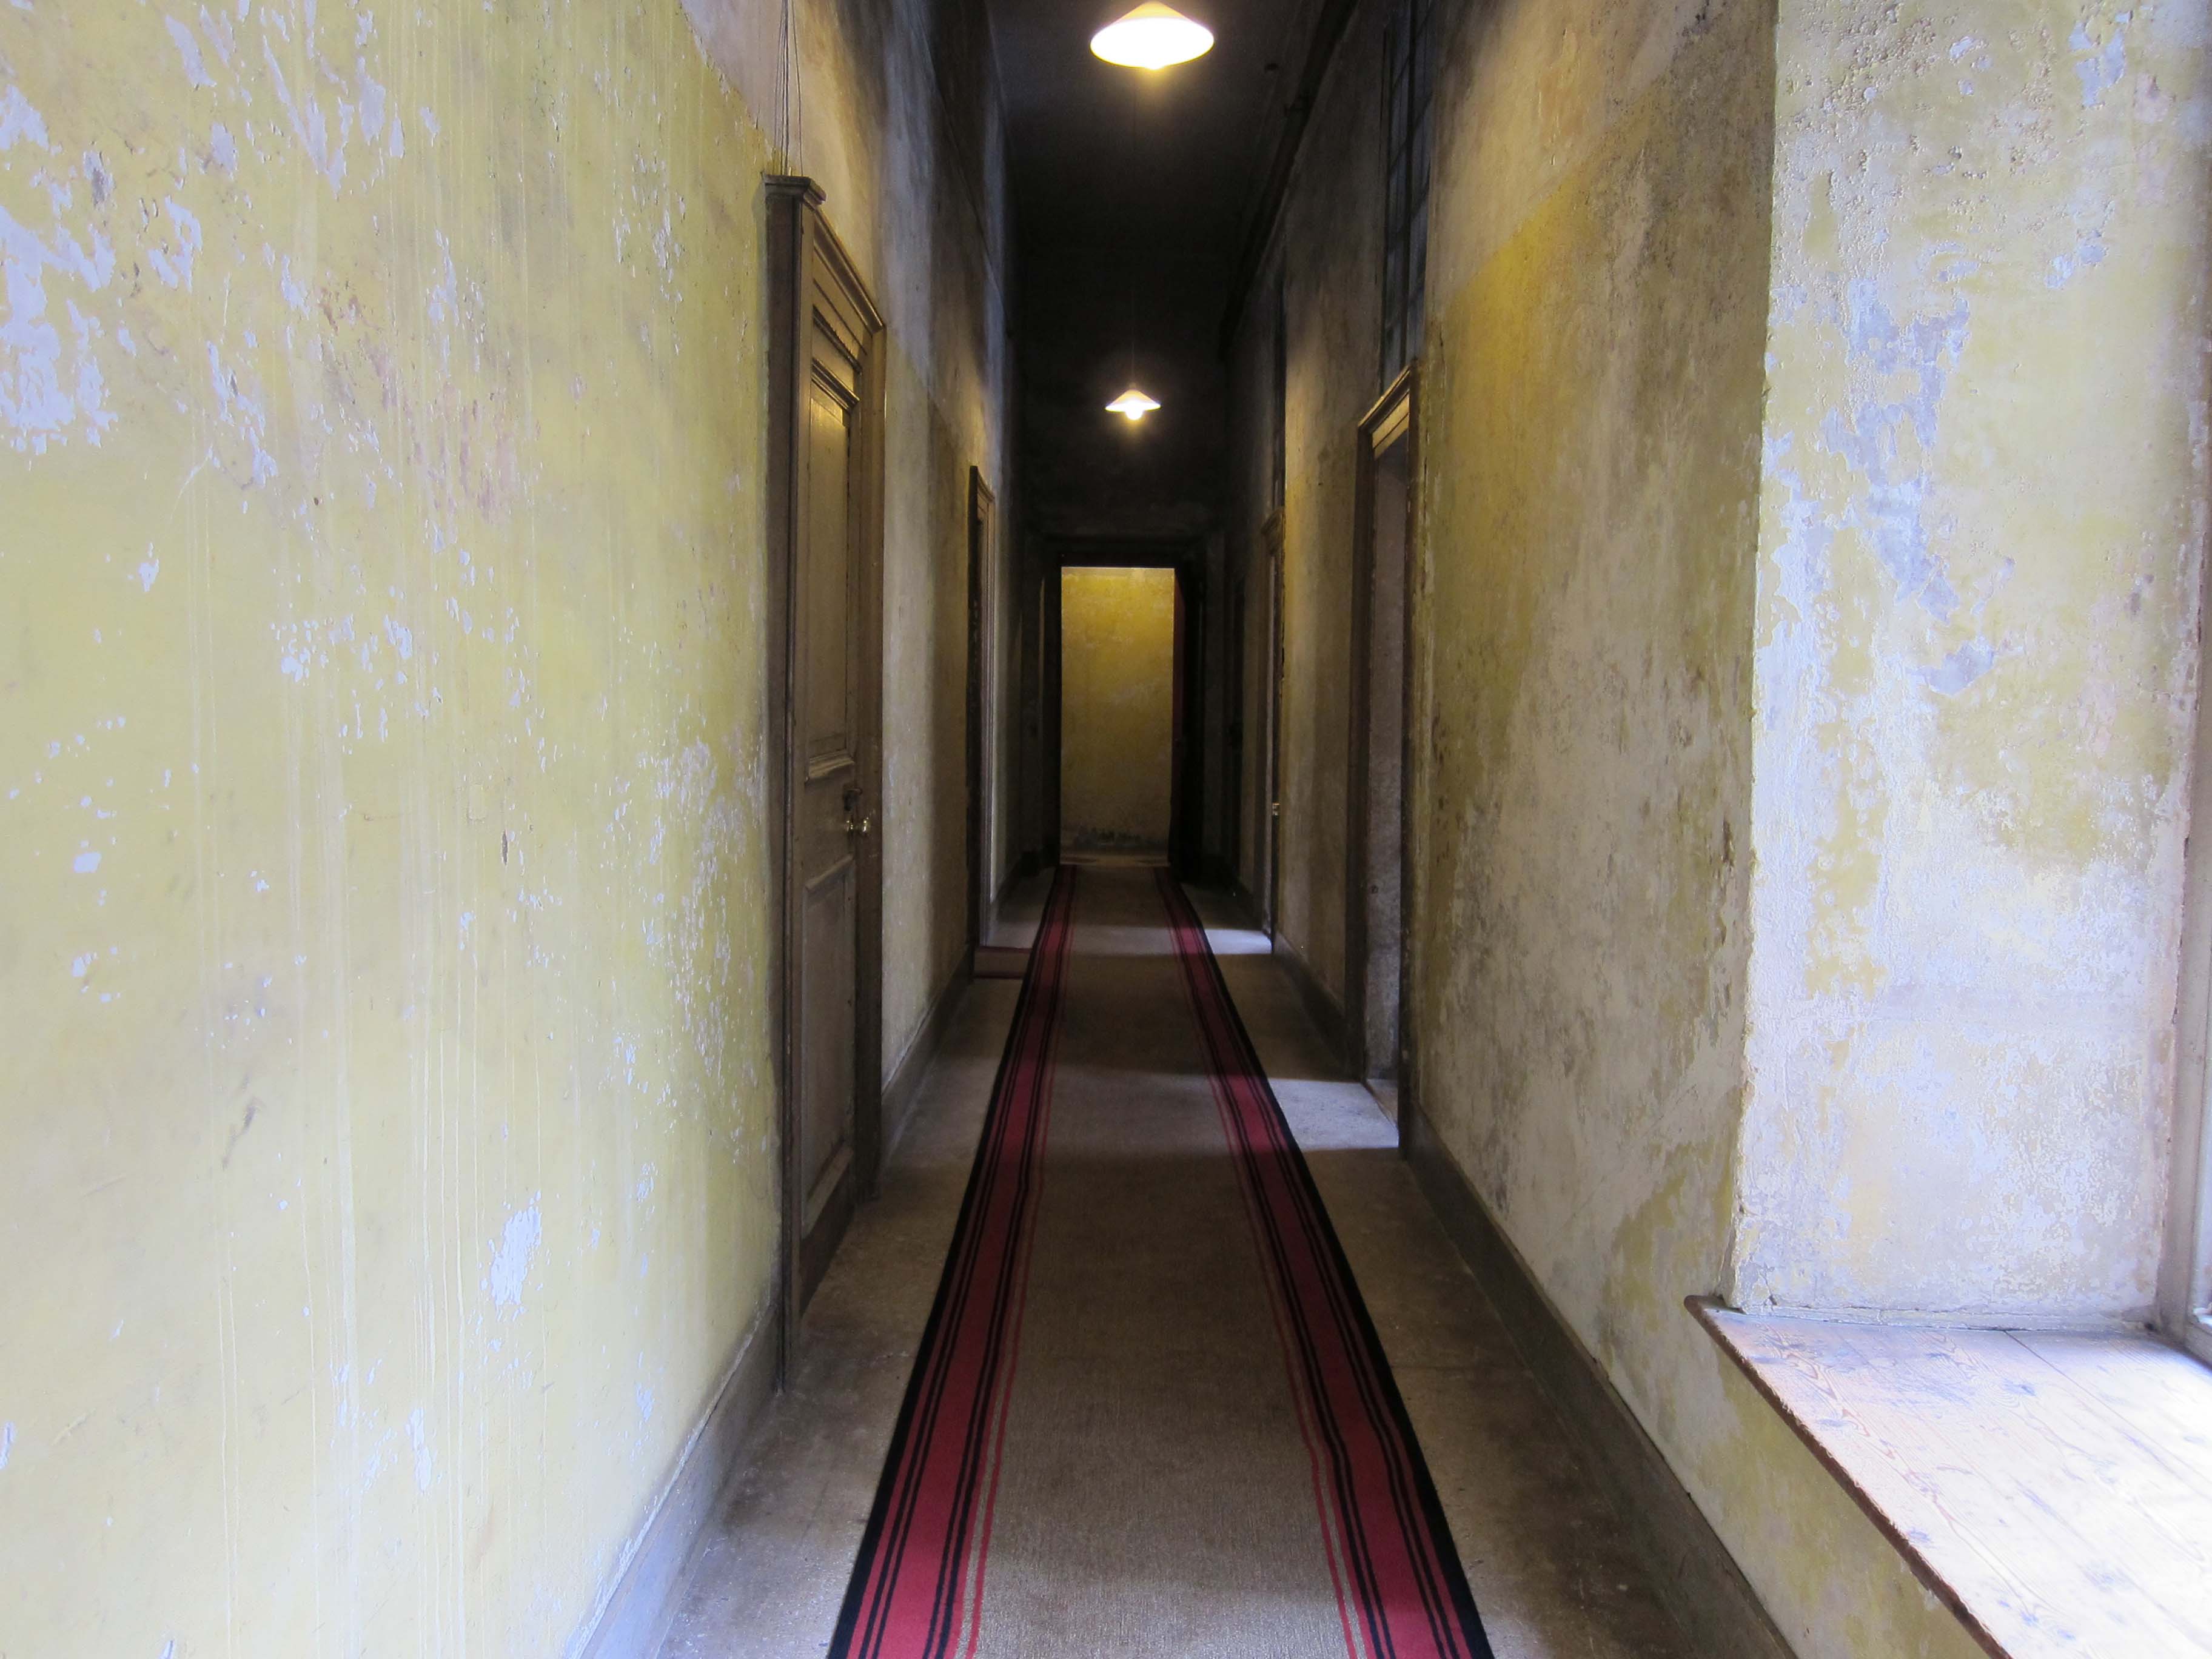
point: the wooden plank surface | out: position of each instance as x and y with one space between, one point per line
2055 1489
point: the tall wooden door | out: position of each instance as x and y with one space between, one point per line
1272 536
832 873
830 814
990 712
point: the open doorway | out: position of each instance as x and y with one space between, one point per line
1139 638
1118 748
1375 940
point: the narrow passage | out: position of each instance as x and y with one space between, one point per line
1149 1412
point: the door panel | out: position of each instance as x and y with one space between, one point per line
827 686
826 916
829 796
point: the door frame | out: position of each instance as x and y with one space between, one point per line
1394 418
803 250
1237 649
1184 555
983 691
1270 804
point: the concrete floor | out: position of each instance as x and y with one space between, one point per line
1545 1556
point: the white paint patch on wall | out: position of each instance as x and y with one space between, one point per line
510 1267
46 388
19 122
189 49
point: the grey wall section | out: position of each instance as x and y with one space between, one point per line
1329 245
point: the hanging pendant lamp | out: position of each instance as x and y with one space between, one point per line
1153 37
1132 404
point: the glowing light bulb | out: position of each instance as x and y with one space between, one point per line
1152 38
1132 404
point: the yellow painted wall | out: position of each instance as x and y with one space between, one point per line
1116 708
1809 516
386 1165
1980 537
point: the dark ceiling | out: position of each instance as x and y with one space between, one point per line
1133 191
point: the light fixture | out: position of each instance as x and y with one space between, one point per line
1132 405
1150 38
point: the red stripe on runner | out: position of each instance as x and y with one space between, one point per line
904 1600
1406 1579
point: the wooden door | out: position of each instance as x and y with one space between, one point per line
989 712
828 452
1376 874
1272 537
830 815
1233 764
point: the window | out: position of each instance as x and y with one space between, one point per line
1408 77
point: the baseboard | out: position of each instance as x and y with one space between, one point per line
634 1617
903 1086
1246 907
1322 1005
1704 1587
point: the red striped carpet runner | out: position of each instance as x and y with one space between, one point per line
1149 1414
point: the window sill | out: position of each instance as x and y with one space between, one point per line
2054 1490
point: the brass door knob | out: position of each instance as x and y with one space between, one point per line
859 827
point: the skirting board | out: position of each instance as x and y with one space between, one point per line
1246 906
904 1083
1704 1587
635 1618
1322 1005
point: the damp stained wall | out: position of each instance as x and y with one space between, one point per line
390 1184
1332 316
1808 520
1116 708
1981 524
1592 384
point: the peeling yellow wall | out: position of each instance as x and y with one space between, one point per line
1591 409
1811 490
386 1179
1979 543
1116 708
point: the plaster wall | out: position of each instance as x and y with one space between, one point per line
1116 707
1980 529
1332 259
1585 594
896 113
382 629
1251 396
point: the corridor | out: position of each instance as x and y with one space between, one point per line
1079 828
1155 1494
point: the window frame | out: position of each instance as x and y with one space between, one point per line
2184 1289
